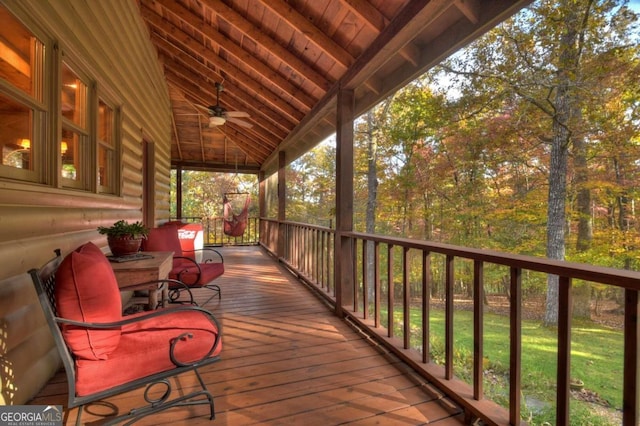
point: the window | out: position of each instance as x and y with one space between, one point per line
22 111
68 139
74 145
107 148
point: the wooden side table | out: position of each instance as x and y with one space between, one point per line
137 274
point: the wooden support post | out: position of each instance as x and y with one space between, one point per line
343 269
282 203
262 206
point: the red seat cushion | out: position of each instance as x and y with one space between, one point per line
188 273
86 290
144 350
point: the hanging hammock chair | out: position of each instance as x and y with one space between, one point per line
235 224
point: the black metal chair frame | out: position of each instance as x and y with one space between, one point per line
44 282
174 293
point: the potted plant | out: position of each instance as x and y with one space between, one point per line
123 237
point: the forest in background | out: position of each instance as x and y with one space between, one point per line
473 168
526 142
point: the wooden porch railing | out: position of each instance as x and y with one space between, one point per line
309 252
214 235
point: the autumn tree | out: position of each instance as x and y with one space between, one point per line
543 57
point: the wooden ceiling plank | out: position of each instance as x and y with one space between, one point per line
232 48
259 113
312 33
199 129
189 87
249 147
229 15
194 94
258 92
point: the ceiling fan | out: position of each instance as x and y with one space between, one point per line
218 115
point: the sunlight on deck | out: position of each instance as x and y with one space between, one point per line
287 359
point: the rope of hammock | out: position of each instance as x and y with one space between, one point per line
235 224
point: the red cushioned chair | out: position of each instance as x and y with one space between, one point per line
105 354
186 269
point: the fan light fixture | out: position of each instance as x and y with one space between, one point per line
216 121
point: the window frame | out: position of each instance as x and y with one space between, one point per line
47 121
114 187
39 103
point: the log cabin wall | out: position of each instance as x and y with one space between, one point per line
112 45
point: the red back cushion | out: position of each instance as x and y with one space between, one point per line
86 290
164 238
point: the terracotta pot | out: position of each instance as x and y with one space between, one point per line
123 246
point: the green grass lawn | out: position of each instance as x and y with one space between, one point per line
596 359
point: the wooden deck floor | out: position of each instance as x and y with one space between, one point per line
287 360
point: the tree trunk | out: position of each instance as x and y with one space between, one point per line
582 292
564 106
372 194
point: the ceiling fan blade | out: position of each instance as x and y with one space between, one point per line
203 108
237 114
239 122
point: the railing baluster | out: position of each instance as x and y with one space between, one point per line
515 351
478 328
354 271
564 350
406 305
390 291
365 280
377 284
448 323
631 381
426 297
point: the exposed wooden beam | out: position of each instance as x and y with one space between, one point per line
229 46
312 33
264 117
222 168
189 90
470 9
269 140
416 15
377 22
229 15
260 95
369 14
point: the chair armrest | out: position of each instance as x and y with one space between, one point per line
215 254
152 314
